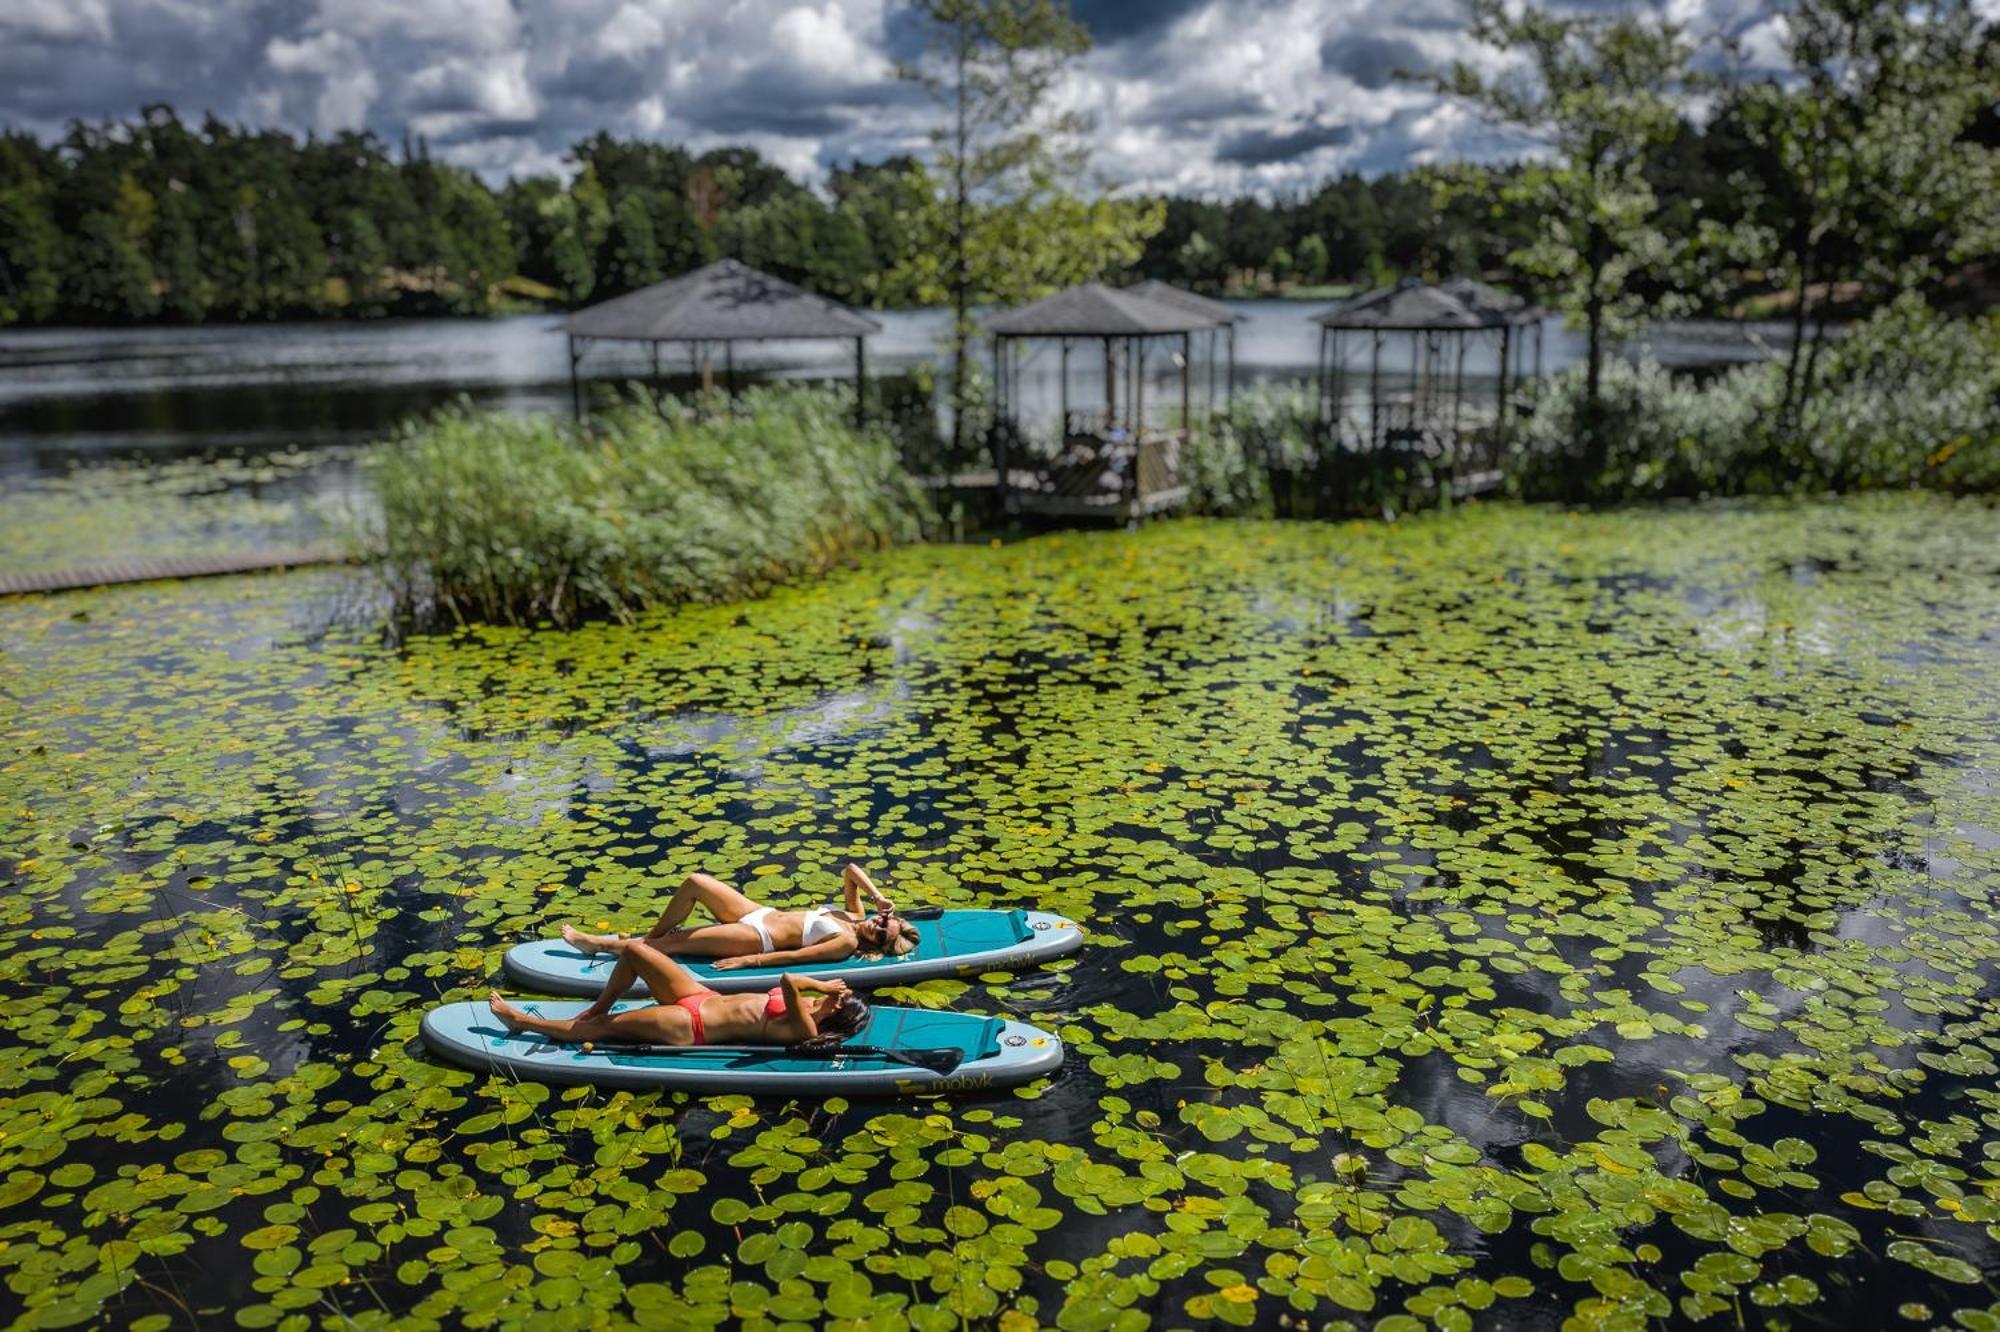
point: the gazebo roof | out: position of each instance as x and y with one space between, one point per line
1093 310
1166 293
726 301
1459 303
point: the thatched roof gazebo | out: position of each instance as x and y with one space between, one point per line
1444 322
1109 462
726 302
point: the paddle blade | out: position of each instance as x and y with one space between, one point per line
937 1061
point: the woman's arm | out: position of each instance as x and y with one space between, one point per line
795 1004
857 879
826 950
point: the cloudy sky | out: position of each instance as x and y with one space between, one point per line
1220 96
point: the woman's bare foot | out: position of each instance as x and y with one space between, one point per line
510 1017
587 943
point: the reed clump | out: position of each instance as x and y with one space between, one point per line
487 517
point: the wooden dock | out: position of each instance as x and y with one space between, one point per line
148 569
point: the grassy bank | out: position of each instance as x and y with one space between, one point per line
499 518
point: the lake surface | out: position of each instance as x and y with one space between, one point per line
80 394
1496 917
166 441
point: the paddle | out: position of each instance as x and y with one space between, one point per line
937 1060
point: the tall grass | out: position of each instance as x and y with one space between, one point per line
489 517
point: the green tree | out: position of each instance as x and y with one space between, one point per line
1312 259
635 251
31 245
116 278
1866 168
1003 157
360 260
1601 92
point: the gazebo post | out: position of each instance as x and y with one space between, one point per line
1320 369
1187 386
1229 387
729 370
1062 393
861 382
1337 358
1002 409
1110 385
1506 350
1457 393
1138 389
1375 390
575 388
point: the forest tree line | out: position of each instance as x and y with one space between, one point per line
154 219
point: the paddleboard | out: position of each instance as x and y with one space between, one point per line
950 943
997 1052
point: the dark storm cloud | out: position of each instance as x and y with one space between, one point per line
1370 59
1201 108
1261 147
1113 21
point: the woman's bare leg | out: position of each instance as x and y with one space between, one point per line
643 1025
723 902
667 980
737 940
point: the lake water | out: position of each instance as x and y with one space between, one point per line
1495 917
165 441
69 395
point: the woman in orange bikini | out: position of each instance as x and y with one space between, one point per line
748 935
798 1010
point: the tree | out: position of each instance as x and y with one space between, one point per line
1601 93
1868 172
31 246
1312 259
1200 263
1004 223
635 251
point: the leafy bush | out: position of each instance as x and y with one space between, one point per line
1663 435
1266 453
485 516
1910 399
1233 451
1906 398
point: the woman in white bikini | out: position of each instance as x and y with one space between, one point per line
749 935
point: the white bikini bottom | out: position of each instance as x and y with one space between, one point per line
755 920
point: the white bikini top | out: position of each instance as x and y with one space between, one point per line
819 924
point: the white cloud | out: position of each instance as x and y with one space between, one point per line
1213 95
56 20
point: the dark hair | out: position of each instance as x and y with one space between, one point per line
894 928
849 1017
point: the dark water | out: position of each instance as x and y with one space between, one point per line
1363 818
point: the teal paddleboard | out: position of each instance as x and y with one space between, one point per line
951 943
995 1052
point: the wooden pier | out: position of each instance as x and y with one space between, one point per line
150 569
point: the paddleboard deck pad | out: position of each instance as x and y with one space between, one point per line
951 943
997 1052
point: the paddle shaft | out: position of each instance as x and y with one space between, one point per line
940 1059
